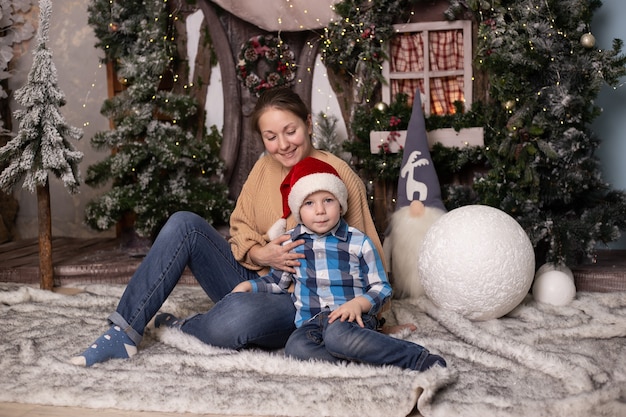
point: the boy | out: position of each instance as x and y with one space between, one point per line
340 284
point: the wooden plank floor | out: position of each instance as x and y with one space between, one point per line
606 273
101 260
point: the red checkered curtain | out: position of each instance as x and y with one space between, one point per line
407 55
445 53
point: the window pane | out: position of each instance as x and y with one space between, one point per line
432 57
407 87
444 91
445 50
407 52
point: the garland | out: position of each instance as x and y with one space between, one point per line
396 116
355 45
275 53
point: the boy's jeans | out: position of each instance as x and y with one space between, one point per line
337 341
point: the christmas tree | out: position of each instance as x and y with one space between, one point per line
14 30
157 165
42 142
354 47
544 74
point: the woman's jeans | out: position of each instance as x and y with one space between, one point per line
347 341
236 321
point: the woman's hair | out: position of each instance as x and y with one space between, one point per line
281 98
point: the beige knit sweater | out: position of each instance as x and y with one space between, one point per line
260 204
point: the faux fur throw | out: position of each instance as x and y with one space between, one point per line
537 361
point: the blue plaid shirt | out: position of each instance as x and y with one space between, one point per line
337 267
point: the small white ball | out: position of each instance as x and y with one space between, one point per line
477 261
554 285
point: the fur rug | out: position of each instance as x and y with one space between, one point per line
539 360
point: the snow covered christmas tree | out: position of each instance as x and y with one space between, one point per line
544 74
158 164
42 143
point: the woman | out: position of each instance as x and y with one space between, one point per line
238 320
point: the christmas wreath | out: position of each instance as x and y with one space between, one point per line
276 55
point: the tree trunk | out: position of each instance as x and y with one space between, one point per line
46 271
232 129
343 87
199 85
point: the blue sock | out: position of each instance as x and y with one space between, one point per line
432 360
114 344
167 320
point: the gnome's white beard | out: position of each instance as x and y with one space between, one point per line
408 226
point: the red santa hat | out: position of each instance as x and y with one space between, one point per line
306 177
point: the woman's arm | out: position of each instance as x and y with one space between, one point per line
276 255
258 207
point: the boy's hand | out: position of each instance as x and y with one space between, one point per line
351 311
243 287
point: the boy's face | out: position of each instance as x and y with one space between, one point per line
320 212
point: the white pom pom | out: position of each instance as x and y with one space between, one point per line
554 284
277 229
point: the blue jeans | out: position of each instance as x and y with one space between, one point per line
235 322
347 341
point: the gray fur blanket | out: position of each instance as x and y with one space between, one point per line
538 360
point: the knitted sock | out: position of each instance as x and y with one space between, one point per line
432 360
167 320
114 344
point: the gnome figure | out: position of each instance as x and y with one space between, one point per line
418 206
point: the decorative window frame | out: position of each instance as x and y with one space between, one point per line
427 74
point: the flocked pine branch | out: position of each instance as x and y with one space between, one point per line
157 166
42 145
14 29
42 142
544 77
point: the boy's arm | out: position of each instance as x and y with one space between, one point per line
377 286
351 311
375 278
276 282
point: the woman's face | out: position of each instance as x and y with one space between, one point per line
286 137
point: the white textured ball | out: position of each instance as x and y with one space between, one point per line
477 261
554 284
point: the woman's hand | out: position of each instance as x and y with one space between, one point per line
244 286
351 311
277 255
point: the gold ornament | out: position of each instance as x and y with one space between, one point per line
381 106
113 27
587 40
509 105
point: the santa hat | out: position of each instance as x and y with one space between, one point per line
306 177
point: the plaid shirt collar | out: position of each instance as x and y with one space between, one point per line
340 231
